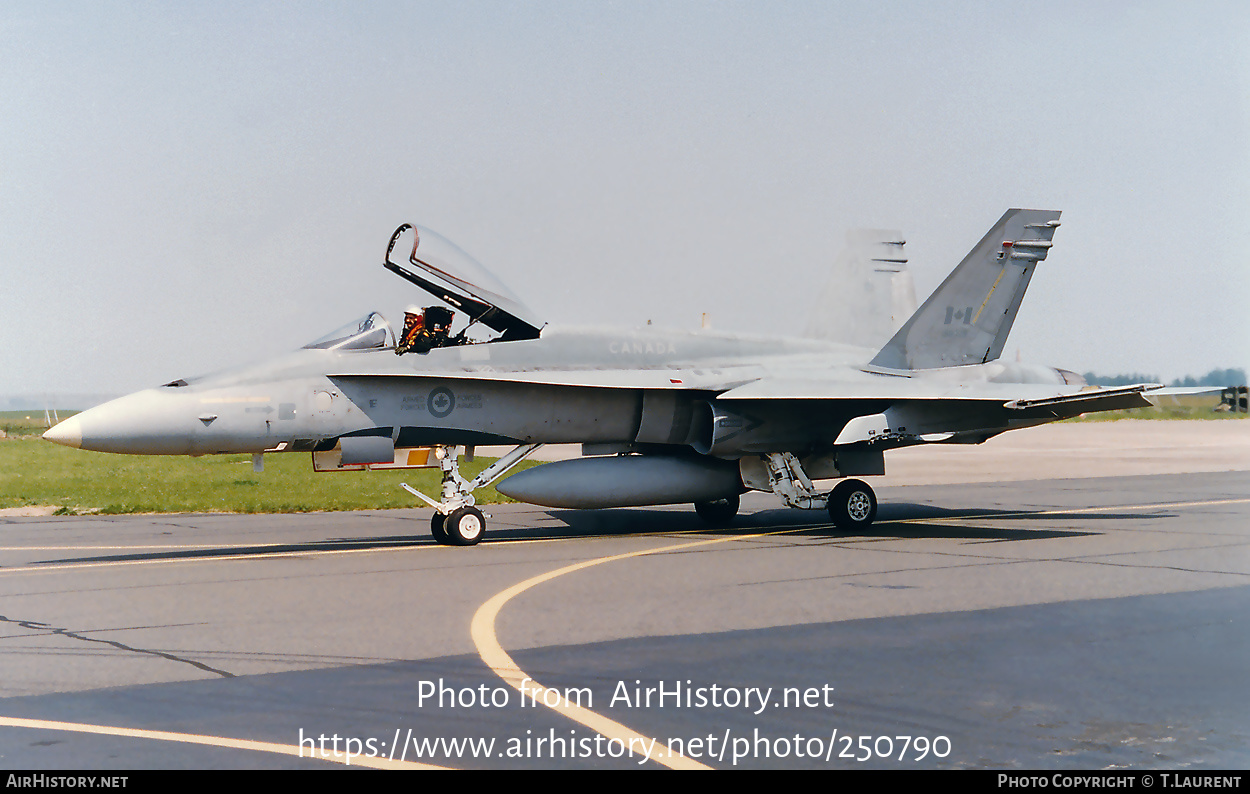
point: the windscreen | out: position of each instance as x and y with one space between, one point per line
369 332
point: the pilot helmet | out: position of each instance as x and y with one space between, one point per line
414 317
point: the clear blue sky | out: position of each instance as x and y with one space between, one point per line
184 187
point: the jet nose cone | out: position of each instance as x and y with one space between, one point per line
150 422
67 433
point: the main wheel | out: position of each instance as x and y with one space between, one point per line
465 526
718 512
437 529
852 505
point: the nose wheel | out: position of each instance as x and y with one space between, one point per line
464 527
436 528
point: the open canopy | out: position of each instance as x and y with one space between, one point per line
442 269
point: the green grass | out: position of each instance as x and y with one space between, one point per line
1194 407
35 472
27 423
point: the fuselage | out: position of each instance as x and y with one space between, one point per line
571 385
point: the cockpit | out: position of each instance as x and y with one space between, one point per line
450 275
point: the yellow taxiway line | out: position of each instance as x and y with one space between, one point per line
484 637
376 762
497 659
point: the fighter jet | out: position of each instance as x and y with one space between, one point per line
662 416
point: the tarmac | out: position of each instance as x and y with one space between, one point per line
1069 597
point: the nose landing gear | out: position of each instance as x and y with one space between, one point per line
456 521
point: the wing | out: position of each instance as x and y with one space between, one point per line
916 411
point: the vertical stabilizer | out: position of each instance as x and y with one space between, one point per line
869 294
966 320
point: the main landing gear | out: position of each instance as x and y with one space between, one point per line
852 505
456 520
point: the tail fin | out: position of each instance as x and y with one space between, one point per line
869 293
967 319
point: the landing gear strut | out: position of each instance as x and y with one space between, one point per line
851 504
456 521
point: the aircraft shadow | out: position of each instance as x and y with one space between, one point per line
895 520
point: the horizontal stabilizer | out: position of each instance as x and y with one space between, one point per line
1113 399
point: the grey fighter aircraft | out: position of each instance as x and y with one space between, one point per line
663 417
